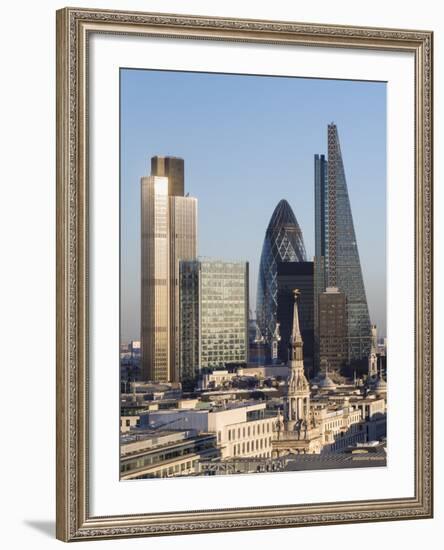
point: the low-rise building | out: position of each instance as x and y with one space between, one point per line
220 377
148 453
340 426
241 429
127 423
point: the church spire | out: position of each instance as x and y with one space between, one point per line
296 338
373 360
297 401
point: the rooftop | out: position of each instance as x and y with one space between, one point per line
329 461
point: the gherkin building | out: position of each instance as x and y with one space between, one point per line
283 243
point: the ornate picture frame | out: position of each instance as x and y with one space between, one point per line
74 28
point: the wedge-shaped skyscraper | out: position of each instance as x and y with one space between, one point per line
337 261
283 243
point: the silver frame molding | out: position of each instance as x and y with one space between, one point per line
74 521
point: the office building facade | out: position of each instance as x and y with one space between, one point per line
321 243
172 168
213 315
283 243
168 235
332 315
292 275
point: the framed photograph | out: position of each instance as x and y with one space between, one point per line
244 274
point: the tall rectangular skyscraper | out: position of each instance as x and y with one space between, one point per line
337 262
169 234
214 315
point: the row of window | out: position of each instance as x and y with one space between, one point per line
185 467
248 431
157 458
251 446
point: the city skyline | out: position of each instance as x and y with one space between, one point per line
228 180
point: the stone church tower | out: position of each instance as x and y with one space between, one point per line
297 400
297 432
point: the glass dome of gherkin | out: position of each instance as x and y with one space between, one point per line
283 243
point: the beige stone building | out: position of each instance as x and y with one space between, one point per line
310 428
242 429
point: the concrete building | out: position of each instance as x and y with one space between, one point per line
218 377
127 423
213 315
340 426
169 234
242 429
374 413
147 454
215 378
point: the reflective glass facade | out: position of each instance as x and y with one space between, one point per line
337 261
182 246
283 243
213 315
321 243
154 278
169 234
291 275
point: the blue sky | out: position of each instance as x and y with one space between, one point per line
249 141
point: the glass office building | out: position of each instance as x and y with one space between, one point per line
321 244
292 275
283 243
213 315
337 262
168 234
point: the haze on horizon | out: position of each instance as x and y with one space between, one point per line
248 142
